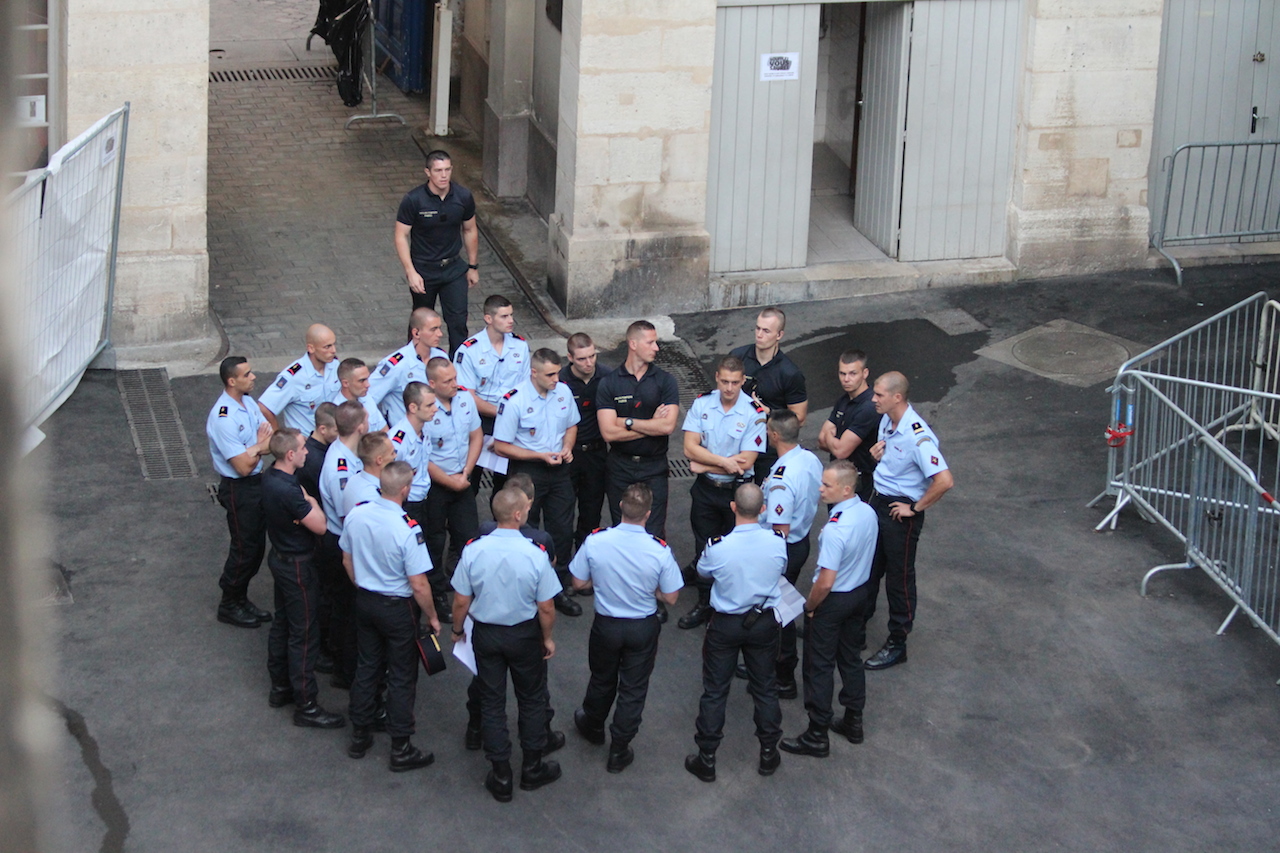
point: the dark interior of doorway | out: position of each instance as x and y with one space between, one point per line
832 236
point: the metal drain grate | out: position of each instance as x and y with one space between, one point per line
678 469
689 375
293 72
157 430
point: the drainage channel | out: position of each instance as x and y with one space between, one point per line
158 434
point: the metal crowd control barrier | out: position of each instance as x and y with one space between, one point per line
1196 452
1218 191
66 221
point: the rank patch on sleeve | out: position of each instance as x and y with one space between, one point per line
386 368
398 438
421 538
933 460
759 441
280 383
293 370
342 464
222 411
777 510
917 427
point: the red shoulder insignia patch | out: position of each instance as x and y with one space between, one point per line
834 518
510 394
597 530
396 358
469 342
659 540
398 438
517 337
761 409
540 545
408 519
342 464
297 365
463 388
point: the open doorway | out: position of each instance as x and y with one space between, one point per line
833 237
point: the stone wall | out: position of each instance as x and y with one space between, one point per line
154 54
629 233
1079 200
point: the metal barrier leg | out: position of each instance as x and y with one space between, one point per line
1111 517
1163 568
1222 629
1177 267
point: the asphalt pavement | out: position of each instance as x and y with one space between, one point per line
1045 704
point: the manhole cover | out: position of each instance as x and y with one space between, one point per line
1066 352
1073 353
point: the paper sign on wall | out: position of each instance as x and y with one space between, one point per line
779 66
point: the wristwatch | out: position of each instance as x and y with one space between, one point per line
472 267
913 507
629 423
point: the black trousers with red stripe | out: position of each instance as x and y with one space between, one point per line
386 638
241 497
294 641
895 562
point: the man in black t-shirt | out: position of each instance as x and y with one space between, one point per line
326 432
771 377
294 520
637 407
588 469
438 245
851 429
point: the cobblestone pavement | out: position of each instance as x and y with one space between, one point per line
301 210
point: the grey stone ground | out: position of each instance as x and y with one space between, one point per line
1045 706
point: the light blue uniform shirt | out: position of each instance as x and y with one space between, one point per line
412 448
791 492
376 419
488 374
746 565
340 465
389 377
297 391
506 576
626 564
386 547
362 488
448 434
232 429
529 420
727 433
911 457
847 544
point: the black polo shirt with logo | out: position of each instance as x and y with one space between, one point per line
584 394
284 505
435 223
638 399
778 384
858 414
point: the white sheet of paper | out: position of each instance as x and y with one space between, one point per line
462 649
489 459
791 604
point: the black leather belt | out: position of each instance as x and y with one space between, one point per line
632 458
880 497
441 264
590 445
722 484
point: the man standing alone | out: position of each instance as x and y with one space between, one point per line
438 244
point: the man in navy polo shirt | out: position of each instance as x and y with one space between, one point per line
438 244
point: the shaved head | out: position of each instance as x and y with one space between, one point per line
507 504
894 382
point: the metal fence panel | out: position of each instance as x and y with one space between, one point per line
1198 451
67 222
1218 192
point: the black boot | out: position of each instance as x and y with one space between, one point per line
499 780
234 613
593 734
535 772
444 610
566 605
255 611
769 760
850 726
406 756
620 755
313 716
555 740
280 696
813 742
702 764
700 613
893 653
361 741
